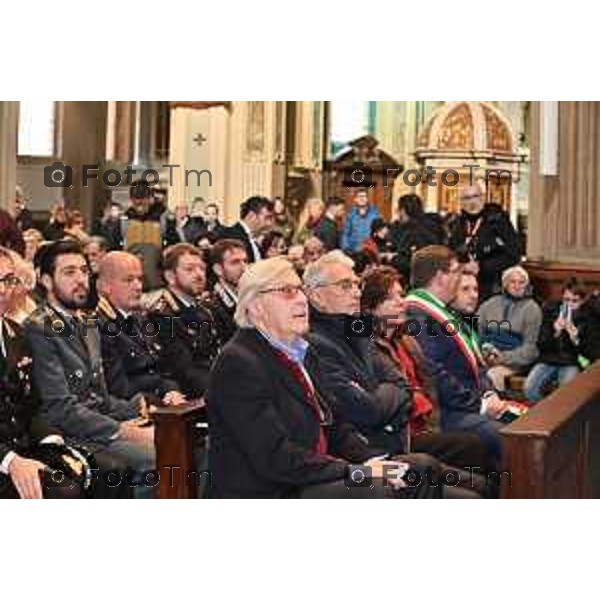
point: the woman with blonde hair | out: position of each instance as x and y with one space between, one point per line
310 217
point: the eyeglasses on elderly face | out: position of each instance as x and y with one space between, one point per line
346 284
287 291
474 196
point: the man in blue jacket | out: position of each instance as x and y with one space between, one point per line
358 223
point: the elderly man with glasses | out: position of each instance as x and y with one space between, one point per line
273 433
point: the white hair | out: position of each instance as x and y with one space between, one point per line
315 273
517 269
259 276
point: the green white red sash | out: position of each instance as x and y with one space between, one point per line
436 309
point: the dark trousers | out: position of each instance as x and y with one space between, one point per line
377 488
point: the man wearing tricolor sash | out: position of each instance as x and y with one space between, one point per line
467 398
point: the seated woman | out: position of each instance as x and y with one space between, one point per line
383 298
272 432
509 326
558 342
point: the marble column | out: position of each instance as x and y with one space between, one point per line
9 127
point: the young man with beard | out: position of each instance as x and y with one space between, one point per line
228 259
189 341
68 375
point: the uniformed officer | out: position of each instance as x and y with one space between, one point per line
189 341
130 343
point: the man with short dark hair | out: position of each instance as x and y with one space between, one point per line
228 260
357 227
188 336
466 397
256 217
68 374
328 228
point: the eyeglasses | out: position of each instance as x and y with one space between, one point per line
287 291
344 284
471 197
10 281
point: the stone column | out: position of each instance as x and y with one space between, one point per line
9 128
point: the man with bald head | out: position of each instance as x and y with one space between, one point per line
483 233
129 342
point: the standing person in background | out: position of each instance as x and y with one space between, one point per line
55 229
256 218
328 229
21 214
309 219
358 223
412 230
484 233
283 220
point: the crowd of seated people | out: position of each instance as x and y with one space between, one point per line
259 323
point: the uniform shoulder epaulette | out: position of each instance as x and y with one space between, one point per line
163 302
105 308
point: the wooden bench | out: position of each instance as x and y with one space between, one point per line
554 450
175 439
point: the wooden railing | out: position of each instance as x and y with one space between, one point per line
554 450
176 441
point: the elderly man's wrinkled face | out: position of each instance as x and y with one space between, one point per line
471 199
516 285
313 249
281 309
124 286
467 295
340 292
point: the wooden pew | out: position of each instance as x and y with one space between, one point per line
175 437
554 450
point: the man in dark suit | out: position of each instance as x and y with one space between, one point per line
256 217
467 399
272 431
228 261
68 374
189 342
129 342
180 227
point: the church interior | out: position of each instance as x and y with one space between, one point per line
536 162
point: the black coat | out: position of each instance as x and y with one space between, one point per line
588 325
237 232
328 232
188 342
367 392
19 427
555 350
130 355
411 235
224 307
494 245
264 431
